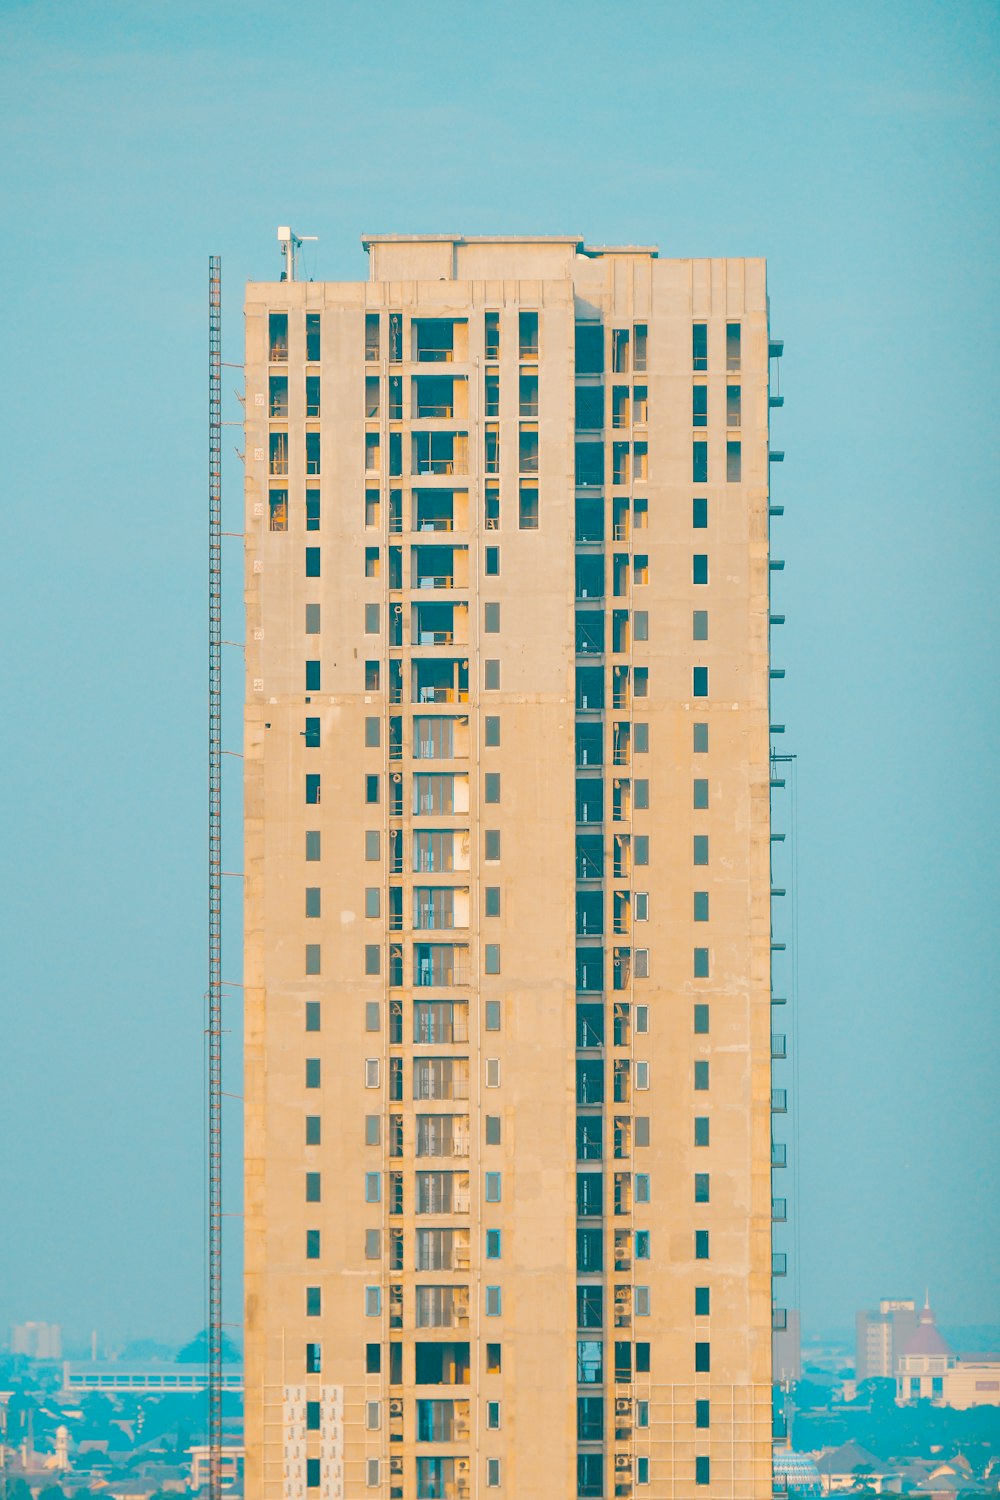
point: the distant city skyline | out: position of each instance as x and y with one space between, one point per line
854 149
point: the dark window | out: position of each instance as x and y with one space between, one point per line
699 463
312 562
699 405
699 346
589 349
699 512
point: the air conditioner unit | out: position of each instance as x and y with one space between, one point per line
462 1466
623 1463
396 1406
623 1405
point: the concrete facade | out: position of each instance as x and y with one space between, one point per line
507 874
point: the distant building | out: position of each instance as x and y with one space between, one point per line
881 1336
787 1350
231 1467
972 1381
119 1375
924 1362
795 1475
36 1340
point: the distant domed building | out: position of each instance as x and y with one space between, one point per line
924 1362
795 1475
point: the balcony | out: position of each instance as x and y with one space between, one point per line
778 1046
779 1154
779 1211
779 1101
779 1263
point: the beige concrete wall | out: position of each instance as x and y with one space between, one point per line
535 1047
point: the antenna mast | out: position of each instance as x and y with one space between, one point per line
214 1017
290 242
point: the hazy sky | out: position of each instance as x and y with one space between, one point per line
855 146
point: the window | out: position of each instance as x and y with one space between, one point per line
278 510
492 731
312 619
492 562
312 1015
494 1359
312 900
312 453
492 393
642 1302
527 335
494 1302
371 336
642 1189
701 1130
372 787
642 906
701 1187
312 1471
699 567
527 512
700 843
491 675
492 1473
701 1020
642 848
641 1123
372 1073
492 844
373 1015
312 958
493 1416
371 619
313 1187
312 1416
373 1359
701 963
312 337
492 329
640 621
314 1130
492 1130
373 1130
373 676
312 677
373 1301
372 843
700 739
642 1075
699 346
371 562
589 349
732 346
640 567
734 462
491 784
641 1025
491 619
702 1357
699 463
639 347
312 396
699 625
277 336
702 1413
733 405
702 1301
312 1244
699 682
492 1187
699 406
702 1470
493 1006
699 513
493 1072
700 792
373 958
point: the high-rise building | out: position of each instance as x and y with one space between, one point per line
36 1340
880 1337
507 871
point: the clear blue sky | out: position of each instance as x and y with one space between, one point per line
855 146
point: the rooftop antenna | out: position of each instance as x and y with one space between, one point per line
290 242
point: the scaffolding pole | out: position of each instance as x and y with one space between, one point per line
214 1017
